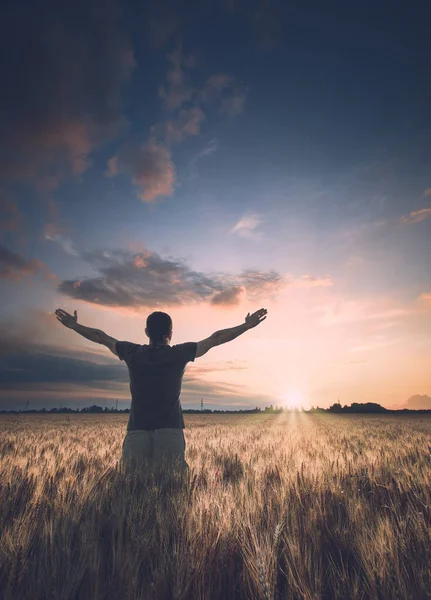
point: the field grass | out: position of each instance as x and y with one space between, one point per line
274 506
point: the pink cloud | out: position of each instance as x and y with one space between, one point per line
150 167
350 311
425 298
66 100
310 281
14 267
246 226
416 216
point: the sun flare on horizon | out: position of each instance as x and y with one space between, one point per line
293 399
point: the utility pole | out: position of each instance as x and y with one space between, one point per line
202 404
26 404
116 405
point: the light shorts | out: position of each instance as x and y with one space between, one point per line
156 446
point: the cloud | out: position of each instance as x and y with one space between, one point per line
375 343
188 123
62 85
224 90
247 225
425 298
374 311
229 297
142 279
427 192
416 216
54 233
309 281
233 105
262 283
419 402
215 86
145 279
54 230
13 266
11 216
163 20
178 89
223 366
209 148
47 374
219 89
39 366
150 167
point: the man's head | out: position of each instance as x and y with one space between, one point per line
159 328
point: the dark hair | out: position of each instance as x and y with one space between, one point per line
159 326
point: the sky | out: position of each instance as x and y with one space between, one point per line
209 158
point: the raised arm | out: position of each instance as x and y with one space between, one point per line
227 335
94 335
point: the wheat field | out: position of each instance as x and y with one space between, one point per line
295 506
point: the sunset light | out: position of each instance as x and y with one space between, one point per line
293 399
255 173
215 282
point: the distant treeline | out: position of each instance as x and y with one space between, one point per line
365 408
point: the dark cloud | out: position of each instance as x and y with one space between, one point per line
14 266
61 88
46 375
32 369
11 217
34 366
419 402
143 279
146 279
262 283
229 297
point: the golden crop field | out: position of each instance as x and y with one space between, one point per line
295 506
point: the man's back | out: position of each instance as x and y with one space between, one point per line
156 374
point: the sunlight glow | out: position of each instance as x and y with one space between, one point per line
293 398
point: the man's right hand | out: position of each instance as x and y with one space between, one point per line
256 318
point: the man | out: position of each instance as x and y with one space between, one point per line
155 427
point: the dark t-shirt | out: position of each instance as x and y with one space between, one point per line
156 375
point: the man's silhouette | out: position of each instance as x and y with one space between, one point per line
155 427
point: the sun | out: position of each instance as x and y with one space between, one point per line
293 398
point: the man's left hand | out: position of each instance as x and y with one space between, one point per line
66 319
